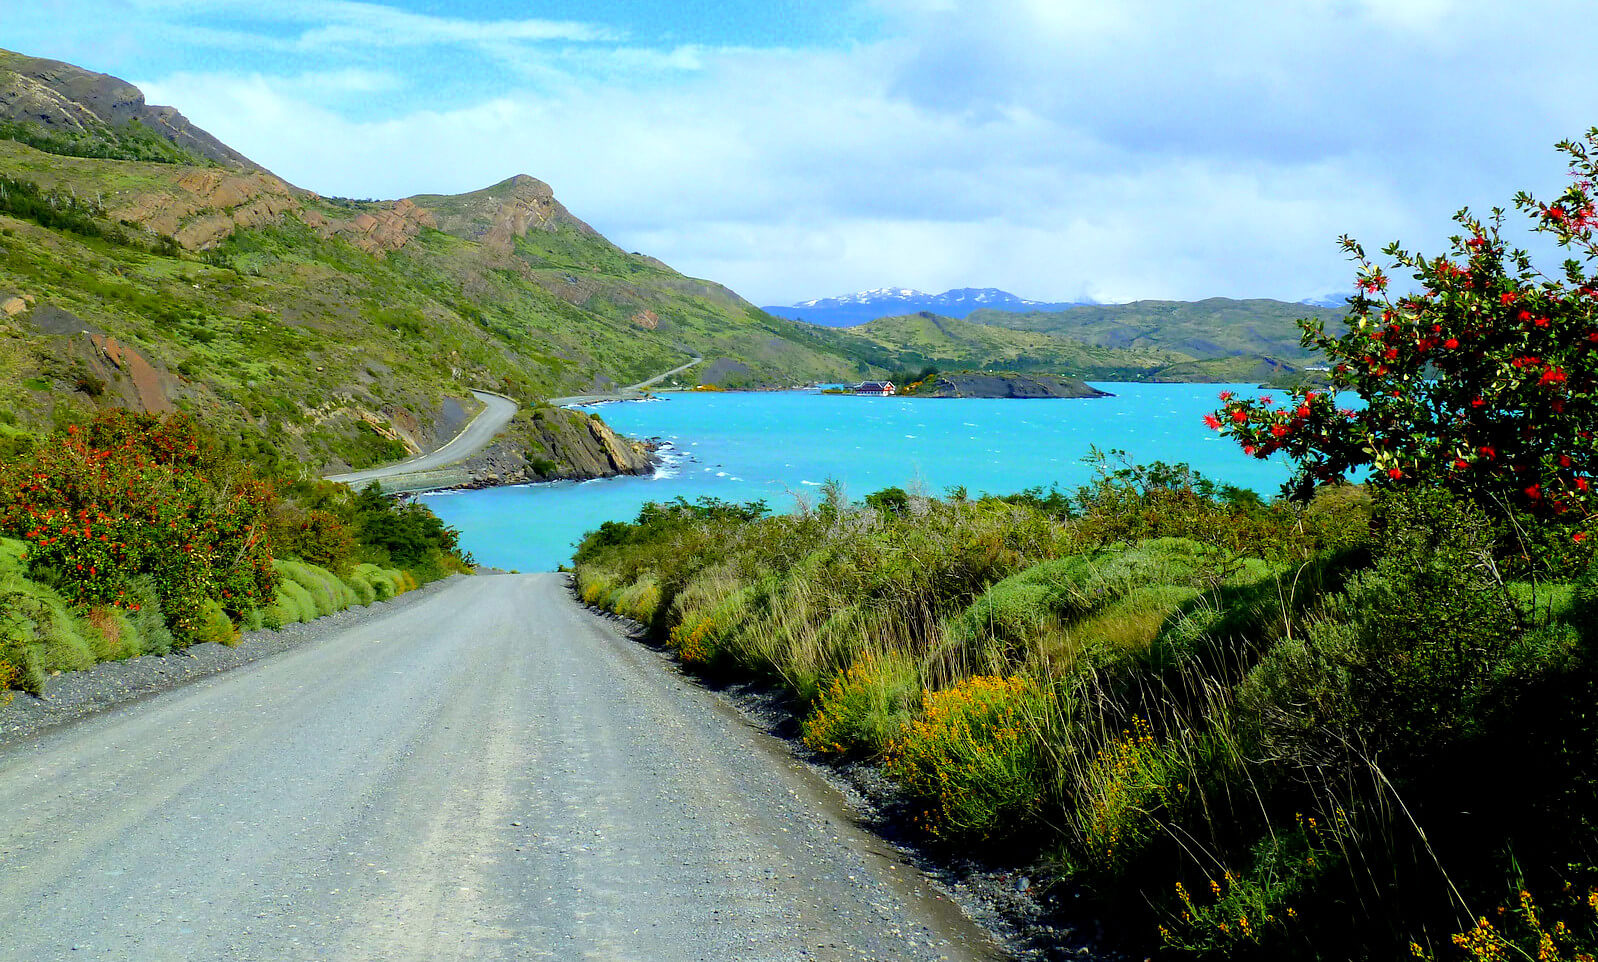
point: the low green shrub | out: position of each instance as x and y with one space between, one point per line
213 625
970 759
866 707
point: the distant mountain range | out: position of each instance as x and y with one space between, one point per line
850 309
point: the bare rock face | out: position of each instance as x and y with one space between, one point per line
378 232
495 216
555 444
93 363
60 97
205 206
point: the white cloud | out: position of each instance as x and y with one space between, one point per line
1051 147
346 23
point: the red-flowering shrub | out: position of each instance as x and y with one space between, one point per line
1483 381
133 495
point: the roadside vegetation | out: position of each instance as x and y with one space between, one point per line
1353 723
131 534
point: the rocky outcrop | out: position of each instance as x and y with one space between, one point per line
377 231
83 359
203 207
983 384
66 99
495 216
556 444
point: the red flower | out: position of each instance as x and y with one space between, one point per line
1534 492
1508 297
1239 415
1248 449
1212 422
1395 473
1278 430
1226 395
1461 464
1579 537
1451 343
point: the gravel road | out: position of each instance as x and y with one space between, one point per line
488 773
496 413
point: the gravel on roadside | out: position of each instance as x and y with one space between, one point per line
69 696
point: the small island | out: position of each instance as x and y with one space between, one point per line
1000 384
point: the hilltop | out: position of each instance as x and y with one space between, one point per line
916 341
147 264
1216 327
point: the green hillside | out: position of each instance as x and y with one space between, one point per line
917 340
1214 327
322 330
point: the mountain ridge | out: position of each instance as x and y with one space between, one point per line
848 310
150 266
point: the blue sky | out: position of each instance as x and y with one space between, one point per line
1055 148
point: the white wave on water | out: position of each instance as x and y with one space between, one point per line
813 484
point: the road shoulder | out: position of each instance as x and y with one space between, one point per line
70 696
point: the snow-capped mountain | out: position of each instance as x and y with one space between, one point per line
851 309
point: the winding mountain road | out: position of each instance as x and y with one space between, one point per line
491 773
629 392
474 437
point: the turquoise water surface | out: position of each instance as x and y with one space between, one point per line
780 446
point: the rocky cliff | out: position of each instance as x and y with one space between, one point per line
95 109
557 444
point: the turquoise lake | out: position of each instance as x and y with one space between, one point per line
780 446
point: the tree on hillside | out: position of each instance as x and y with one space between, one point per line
1484 381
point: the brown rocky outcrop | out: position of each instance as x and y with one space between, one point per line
379 231
495 216
149 386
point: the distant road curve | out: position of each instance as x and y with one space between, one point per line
623 394
496 413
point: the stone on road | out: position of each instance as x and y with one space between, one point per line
493 773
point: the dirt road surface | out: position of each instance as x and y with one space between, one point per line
478 433
491 773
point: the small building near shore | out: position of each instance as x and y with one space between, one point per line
875 387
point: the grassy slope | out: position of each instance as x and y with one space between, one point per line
291 337
919 339
1215 327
